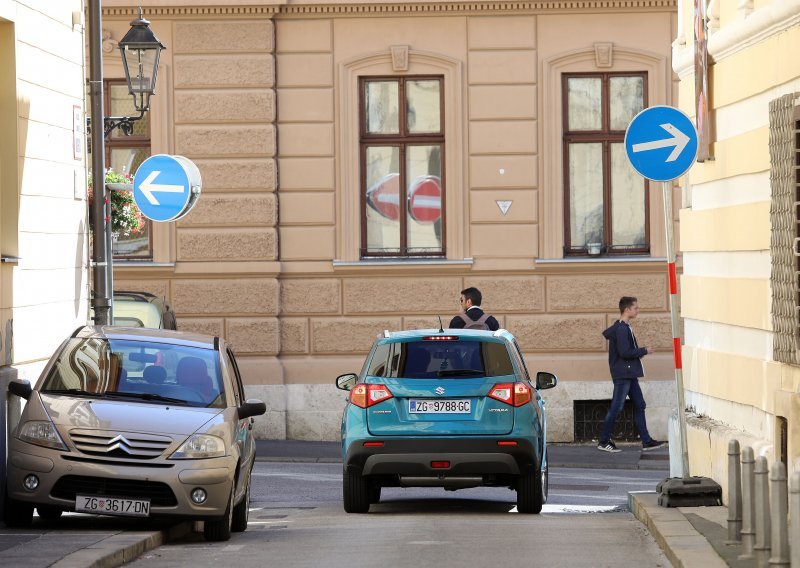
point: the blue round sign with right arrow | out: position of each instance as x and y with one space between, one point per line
165 187
661 143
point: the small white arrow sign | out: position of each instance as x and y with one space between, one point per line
148 187
504 205
678 139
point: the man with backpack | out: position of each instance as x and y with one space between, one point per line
473 316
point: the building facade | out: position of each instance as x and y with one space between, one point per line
43 212
738 225
363 163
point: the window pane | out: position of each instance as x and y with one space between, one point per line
383 198
136 244
585 194
382 107
424 214
627 200
627 100
585 110
121 103
424 106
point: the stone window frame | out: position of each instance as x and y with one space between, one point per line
784 145
604 136
348 195
620 59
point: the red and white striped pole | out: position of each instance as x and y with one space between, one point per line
676 329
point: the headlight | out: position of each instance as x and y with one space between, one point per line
41 433
200 446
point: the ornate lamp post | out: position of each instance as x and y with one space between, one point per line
140 50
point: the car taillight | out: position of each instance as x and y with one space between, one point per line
515 394
364 396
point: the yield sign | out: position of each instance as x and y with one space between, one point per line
425 199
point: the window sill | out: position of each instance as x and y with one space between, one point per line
395 263
119 263
601 260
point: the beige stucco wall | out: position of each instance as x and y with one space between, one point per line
733 384
43 295
263 99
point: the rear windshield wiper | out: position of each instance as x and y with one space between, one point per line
458 372
146 396
76 392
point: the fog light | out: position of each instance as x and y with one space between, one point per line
31 482
199 496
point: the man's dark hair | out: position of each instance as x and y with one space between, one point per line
626 302
472 294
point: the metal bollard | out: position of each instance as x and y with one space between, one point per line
763 539
794 509
748 504
780 518
734 494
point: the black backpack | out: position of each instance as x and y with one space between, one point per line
479 323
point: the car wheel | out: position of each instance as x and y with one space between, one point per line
241 512
219 530
355 491
374 493
17 514
49 512
529 492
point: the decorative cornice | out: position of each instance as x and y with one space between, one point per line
530 7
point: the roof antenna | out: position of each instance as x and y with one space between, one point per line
441 329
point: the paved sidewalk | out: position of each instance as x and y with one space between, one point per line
687 535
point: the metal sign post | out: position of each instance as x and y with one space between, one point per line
661 143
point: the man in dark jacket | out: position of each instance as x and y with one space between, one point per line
473 316
625 362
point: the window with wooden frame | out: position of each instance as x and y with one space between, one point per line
124 154
402 148
606 208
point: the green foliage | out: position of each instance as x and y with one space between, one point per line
126 219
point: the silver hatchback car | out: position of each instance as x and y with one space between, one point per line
135 422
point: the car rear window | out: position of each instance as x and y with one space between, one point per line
145 370
437 359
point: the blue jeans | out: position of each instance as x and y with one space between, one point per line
624 388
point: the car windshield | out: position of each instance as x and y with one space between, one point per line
137 370
438 359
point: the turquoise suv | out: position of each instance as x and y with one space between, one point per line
444 408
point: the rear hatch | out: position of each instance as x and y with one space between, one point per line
441 389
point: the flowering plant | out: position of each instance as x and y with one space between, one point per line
126 219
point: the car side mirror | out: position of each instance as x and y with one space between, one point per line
251 407
20 388
347 381
545 380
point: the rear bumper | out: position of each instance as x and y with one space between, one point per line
467 457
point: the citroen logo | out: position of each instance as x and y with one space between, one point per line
439 390
119 442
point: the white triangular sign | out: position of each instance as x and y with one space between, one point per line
504 205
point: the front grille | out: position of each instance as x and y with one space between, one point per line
160 494
127 445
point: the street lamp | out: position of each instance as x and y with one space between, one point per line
140 50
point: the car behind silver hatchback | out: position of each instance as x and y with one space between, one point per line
135 422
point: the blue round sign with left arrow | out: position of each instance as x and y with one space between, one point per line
661 143
166 187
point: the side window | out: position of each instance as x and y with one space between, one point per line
523 366
378 364
238 388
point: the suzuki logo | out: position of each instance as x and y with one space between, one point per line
439 390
